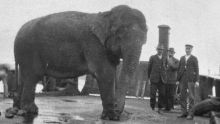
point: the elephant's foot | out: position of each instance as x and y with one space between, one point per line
28 109
10 112
119 105
22 112
16 100
110 115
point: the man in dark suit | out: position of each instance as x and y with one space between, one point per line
188 76
170 86
157 78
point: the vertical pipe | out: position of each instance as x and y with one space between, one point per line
164 37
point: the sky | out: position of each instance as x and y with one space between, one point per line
193 22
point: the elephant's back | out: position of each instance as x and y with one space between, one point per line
23 38
36 25
64 17
53 36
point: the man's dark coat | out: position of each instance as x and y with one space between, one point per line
190 68
157 69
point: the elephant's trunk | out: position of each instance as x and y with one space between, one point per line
130 61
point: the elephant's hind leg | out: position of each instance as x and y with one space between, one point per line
29 80
25 94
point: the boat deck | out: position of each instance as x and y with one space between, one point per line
87 110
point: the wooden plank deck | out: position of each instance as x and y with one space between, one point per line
87 110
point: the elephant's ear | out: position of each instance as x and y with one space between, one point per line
99 31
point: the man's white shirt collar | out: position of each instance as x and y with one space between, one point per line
187 57
160 56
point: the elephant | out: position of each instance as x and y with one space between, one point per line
11 82
70 44
7 76
4 69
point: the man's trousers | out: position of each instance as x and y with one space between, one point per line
184 86
154 87
170 90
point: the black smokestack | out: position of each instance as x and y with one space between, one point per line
164 37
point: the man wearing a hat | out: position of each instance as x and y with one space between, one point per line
188 76
157 78
170 86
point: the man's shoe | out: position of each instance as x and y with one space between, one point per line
182 116
189 117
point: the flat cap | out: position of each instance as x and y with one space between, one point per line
171 50
189 45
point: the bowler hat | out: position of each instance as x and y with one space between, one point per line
189 45
171 50
160 47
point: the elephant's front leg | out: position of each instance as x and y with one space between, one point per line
105 79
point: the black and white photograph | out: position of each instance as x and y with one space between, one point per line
109 62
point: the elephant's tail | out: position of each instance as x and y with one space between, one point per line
16 74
